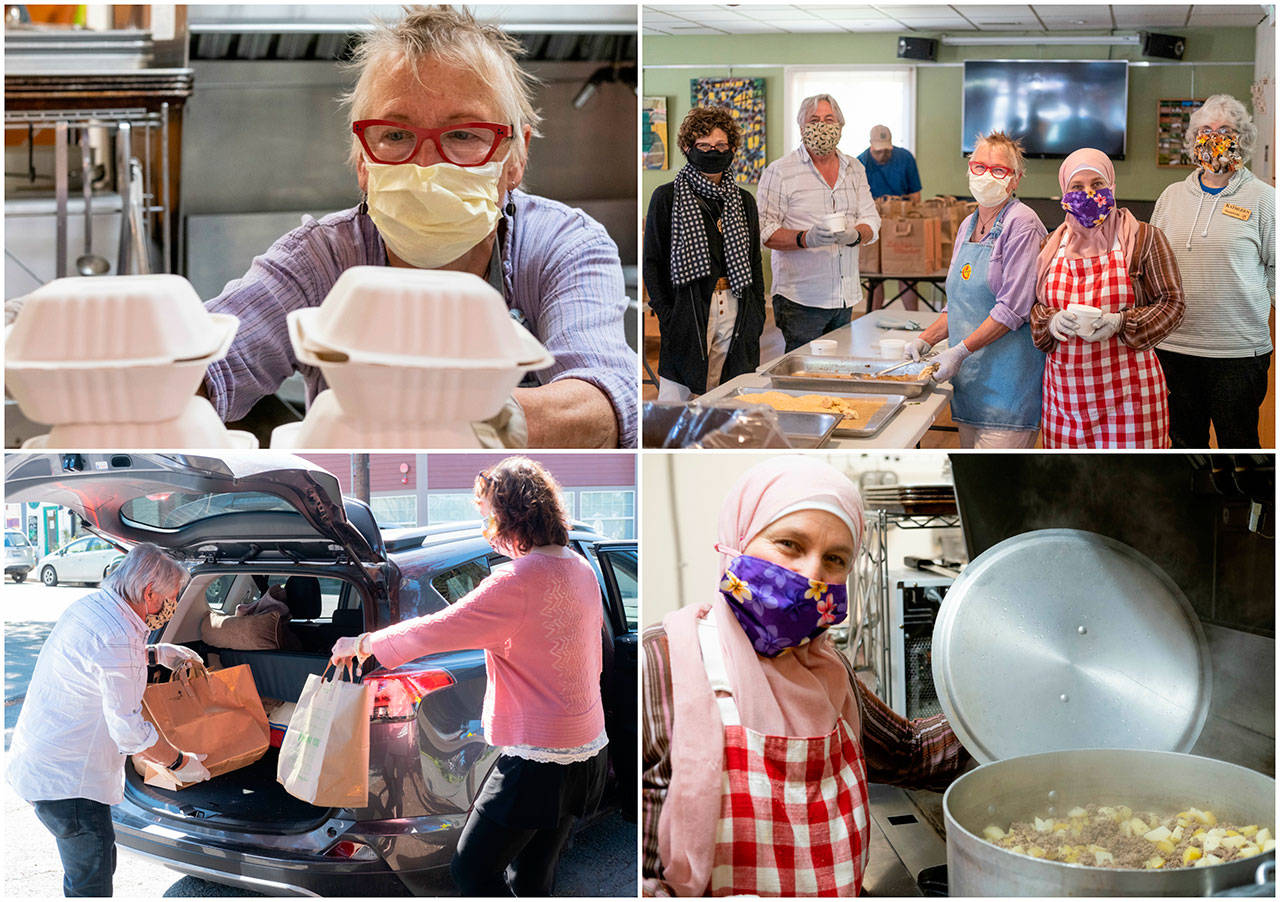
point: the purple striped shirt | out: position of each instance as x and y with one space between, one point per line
560 269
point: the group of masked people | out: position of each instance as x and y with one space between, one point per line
1106 332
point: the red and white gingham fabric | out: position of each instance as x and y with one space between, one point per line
1100 394
794 819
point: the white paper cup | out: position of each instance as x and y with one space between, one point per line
823 346
891 348
834 221
1085 313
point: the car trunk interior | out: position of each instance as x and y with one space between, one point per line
322 607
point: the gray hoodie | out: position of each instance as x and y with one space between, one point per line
1225 247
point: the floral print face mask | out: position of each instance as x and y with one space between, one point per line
778 608
1217 152
1089 207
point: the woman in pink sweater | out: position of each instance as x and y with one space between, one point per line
539 620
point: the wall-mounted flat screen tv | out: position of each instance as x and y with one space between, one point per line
1054 106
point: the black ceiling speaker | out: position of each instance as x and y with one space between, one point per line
1166 46
917 49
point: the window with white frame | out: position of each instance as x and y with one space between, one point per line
394 510
610 512
448 507
868 96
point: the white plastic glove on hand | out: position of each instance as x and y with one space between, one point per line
820 235
949 361
1064 326
508 428
12 308
192 770
916 348
346 648
1105 326
172 655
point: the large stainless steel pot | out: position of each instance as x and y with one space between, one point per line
1017 788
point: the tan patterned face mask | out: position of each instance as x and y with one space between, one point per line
163 616
821 137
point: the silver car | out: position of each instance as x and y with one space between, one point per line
86 560
19 555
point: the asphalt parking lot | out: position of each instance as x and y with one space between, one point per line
601 860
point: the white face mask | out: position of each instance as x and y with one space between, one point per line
432 215
988 190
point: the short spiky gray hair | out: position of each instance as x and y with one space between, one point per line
809 103
450 34
146 565
1224 106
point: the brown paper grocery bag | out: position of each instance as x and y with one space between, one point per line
910 244
324 757
215 713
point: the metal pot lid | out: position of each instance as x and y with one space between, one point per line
1062 639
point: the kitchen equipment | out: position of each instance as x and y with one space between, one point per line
896 367
869 427
847 374
60 190
674 426
1083 631
124 175
914 600
137 219
1018 788
88 263
911 500
197 426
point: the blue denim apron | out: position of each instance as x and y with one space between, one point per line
998 386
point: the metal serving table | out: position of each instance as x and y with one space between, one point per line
910 281
859 339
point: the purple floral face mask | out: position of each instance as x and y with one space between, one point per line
778 608
1088 206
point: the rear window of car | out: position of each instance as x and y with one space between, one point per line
15 540
172 510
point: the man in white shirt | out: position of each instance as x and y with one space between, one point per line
815 264
83 714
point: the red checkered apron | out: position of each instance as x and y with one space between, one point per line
794 819
1101 394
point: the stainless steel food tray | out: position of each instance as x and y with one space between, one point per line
870 428
853 375
801 430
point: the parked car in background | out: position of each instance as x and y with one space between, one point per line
19 555
86 560
246 523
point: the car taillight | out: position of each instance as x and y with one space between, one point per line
347 849
396 695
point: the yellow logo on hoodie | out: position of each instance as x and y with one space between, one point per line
1240 213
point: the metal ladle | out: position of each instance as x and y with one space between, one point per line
88 263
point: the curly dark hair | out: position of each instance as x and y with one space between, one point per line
702 121
526 504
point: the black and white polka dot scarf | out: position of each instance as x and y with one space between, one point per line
690 252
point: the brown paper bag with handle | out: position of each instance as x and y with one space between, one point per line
215 713
324 757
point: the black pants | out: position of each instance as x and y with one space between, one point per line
86 844
1226 391
520 823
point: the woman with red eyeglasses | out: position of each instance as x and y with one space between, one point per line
990 360
441 119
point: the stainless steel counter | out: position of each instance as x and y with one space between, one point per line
903 843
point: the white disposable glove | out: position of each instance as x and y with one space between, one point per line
949 361
348 647
508 428
820 235
171 656
1104 327
191 771
12 308
915 349
1064 326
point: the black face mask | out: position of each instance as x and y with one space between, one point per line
711 161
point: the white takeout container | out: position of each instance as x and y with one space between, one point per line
823 346
1085 313
397 315
327 425
373 389
892 348
121 391
198 426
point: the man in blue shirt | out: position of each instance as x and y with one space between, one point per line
891 172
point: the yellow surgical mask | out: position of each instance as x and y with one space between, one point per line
432 215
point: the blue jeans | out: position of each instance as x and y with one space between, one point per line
86 844
800 324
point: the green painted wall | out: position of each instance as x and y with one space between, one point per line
938 94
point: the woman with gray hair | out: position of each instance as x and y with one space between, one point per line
441 119
82 714
1220 221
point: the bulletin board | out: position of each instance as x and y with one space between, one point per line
744 98
1171 129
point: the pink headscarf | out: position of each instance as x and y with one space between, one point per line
798 693
1082 242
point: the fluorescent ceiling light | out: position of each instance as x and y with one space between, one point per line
1031 40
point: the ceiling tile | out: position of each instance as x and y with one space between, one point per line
1081 16
1129 15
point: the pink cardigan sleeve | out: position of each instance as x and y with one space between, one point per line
486 617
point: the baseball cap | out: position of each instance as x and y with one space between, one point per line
881 137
